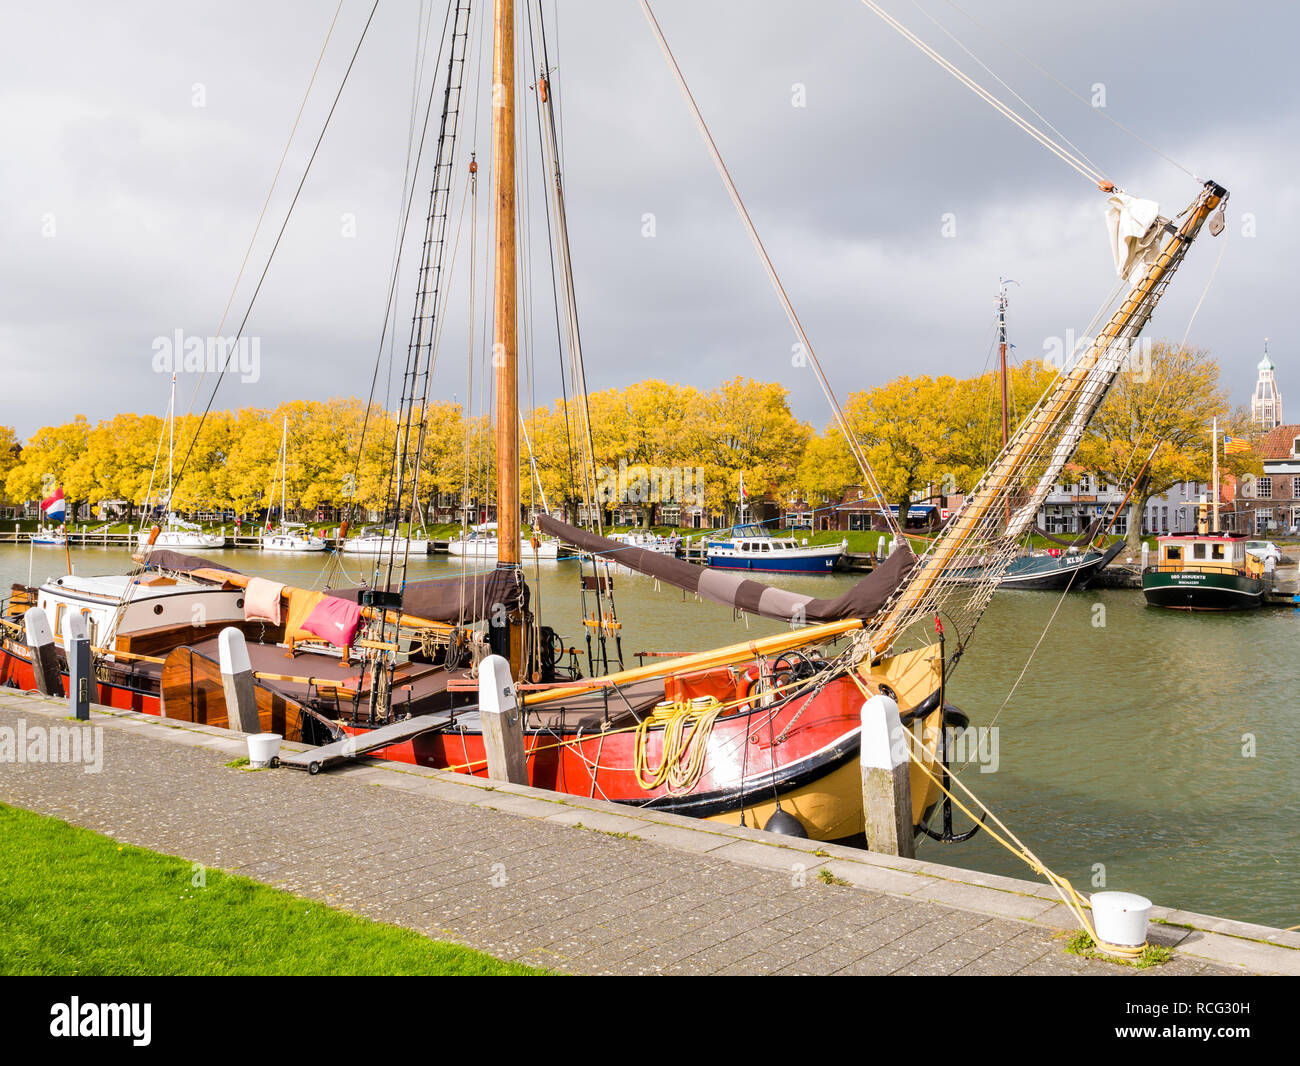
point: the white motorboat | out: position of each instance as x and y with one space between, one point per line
481 543
290 539
375 542
182 536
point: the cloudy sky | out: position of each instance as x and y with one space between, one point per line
140 141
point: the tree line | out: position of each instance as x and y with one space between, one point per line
922 435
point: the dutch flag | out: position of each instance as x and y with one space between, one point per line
54 506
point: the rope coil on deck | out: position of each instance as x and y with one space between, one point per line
687 727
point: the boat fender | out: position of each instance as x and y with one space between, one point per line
785 823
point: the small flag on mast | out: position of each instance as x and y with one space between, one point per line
1235 445
54 506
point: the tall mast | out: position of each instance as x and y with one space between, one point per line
1002 362
1214 447
171 443
1002 356
284 467
505 333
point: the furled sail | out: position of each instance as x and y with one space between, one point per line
744 594
460 599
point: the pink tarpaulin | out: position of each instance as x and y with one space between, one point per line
334 620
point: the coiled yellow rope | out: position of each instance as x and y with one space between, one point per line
687 727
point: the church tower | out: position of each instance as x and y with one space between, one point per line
1266 403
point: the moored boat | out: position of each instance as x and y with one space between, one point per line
1204 572
751 547
481 542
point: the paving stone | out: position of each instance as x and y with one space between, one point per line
506 871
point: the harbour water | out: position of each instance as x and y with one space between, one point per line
1156 749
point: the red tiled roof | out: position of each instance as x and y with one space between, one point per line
1277 443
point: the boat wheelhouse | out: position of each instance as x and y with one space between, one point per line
1204 572
751 547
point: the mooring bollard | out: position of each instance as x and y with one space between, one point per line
1146 554
237 682
503 726
886 780
76 646
45 660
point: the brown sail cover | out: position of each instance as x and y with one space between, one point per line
180 563
467 598
732 590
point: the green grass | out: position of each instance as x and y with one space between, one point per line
827 878
74 902
1080 943
606 832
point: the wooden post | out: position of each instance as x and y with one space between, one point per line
886 781
45 661
76 646
237 682
503 725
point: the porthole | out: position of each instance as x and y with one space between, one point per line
239 603
157 608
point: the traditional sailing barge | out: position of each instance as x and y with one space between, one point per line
729 734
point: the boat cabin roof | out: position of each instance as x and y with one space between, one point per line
1219 537
114 586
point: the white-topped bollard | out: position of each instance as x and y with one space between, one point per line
503 725
76 647
886 780
1146 554
263 750
1120 918
237 682
45 660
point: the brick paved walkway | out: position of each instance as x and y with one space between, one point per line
540 879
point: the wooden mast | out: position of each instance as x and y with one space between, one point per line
1002 359
505 330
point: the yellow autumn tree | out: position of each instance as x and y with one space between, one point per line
1166 403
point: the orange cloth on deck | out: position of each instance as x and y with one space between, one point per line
301 604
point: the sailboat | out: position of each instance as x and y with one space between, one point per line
290 536
176 533
763 731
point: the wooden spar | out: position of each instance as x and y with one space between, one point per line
707 660
1012 463
505 334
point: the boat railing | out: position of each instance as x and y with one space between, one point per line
1180 567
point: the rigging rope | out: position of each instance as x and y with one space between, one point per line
279 236
1101 112
855 446
1055 147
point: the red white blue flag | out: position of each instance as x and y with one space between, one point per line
54 506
